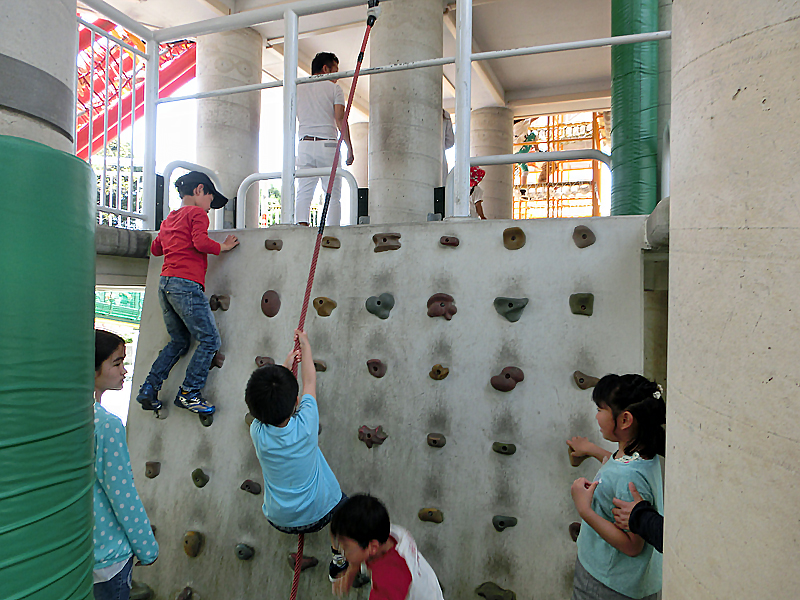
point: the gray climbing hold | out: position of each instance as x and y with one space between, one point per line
152 469
583 236
252 487
206 420
501 523
510 308
582 304
273 244
380 306
436 440
504 448
244 552
491 591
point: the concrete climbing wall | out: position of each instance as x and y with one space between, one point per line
465 479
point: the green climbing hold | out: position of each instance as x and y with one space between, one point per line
510 308
582 304
491 591
504 448
380 306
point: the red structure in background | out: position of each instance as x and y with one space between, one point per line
176 67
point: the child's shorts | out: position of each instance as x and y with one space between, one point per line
587 587
314 527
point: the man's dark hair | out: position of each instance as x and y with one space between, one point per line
271 394
323 59
362 518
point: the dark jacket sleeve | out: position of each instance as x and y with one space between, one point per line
646 522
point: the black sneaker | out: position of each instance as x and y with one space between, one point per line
337 567
194 402
148 397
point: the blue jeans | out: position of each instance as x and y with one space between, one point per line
187 315
116 588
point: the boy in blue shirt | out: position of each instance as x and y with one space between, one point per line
301 492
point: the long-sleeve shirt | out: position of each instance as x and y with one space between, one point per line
121 526
183 241
646 521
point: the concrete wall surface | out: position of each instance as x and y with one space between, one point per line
465 479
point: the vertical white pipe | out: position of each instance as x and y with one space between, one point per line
150 108
120 61
132 206
91 103
463 105
76 90
103 197
289 114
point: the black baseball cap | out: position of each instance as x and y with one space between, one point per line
196 177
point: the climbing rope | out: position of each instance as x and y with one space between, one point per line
372 15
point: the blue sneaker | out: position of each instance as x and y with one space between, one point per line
148 397
194 402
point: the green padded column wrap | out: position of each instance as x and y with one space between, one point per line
634 109
46 372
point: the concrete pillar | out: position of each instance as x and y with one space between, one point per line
491 132
38 42
405 127
359 135
228 126
733 422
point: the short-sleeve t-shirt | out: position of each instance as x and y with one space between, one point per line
634 576
299 486
403 573
315 109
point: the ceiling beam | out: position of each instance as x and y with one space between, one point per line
482 69
526 103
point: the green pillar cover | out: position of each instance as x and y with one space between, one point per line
46 372
634 109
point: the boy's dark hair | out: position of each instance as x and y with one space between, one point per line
187 189
271 394
362 518
637 395
105 343
323 59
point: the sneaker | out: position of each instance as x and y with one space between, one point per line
337 567
148 397
194 402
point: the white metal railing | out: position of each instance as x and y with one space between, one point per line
289 13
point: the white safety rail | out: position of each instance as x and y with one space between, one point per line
289 13
100 119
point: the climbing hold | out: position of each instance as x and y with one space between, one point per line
436 440
253 487
575 461
219 302
513 238
217 360
376 368
584 381
306 562
438 372
263 361
441 305
199 478
510 308
500 523
320 365
448 240
244 552
581 304
248 419
152 469
270 303
372 437
386 241
583 236
153 528
331 242
206 420
273 244
363 579
508 379
140 591
432 515
380 306
185 594
192 543
324 306
504 448
491 591
574 530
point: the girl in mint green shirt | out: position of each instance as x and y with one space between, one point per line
614 564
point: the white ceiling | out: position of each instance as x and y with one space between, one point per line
530 85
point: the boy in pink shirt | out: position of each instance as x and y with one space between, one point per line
183 241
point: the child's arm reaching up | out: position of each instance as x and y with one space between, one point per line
308 372
583 447
628 543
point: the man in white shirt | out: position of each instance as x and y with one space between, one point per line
320 116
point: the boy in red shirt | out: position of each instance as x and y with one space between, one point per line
398 570
183 241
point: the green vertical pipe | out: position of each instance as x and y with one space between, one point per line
634 110
46 372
